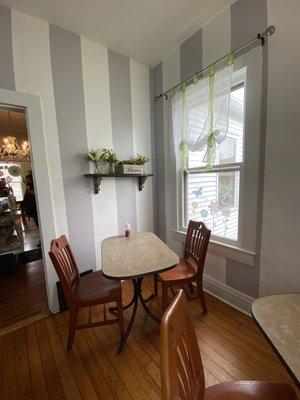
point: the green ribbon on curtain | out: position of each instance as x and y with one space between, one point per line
183 149
214 133
230 59
212 138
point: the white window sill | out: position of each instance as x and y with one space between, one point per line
235 253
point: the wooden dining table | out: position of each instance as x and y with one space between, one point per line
133 258
278 317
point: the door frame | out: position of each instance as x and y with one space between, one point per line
40 169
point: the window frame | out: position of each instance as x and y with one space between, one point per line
238 81
251 174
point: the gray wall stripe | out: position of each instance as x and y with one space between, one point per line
158 112
122 134
7 79
70 110
191 55
248 17
253 14
153 151
242 277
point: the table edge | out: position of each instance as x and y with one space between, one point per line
121 278
276 351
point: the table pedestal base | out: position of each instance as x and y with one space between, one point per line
137 296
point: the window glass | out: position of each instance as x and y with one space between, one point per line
213 197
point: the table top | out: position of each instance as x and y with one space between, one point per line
135 256
278 316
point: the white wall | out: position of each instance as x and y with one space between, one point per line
34 50
140 96
280 255
98 123
33 75
270 262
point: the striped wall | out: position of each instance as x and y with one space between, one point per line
91 97
236 25
7 80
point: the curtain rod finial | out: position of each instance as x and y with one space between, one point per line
270 30
261 37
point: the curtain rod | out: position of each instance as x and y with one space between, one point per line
260 36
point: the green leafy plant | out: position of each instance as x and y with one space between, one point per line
138 160
141 160
96 156
110 157
127 162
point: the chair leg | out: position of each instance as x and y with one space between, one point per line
73 313
191 287
155 279
120 315
201 295
164 289
173 291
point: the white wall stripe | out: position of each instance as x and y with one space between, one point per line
32 67
99 134
121 117
171 76
139 78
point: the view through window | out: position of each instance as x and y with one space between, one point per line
213 196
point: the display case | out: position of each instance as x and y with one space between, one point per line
11 234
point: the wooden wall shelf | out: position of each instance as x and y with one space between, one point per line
98 179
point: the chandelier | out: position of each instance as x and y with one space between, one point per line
10 150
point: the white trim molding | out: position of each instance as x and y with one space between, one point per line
32 106
226 250
228 295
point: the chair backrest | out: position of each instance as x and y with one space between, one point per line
196 243
65 265
182 374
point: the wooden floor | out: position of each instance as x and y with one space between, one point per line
22 295
35 364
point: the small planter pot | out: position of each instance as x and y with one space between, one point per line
133 169
112 169
97 168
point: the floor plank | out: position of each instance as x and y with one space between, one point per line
22 296
34 362
38 381
21 365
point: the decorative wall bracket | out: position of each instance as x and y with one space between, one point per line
98 179
97 183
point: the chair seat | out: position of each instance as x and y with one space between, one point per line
250 390
94 288
185 270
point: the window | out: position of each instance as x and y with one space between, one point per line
213 196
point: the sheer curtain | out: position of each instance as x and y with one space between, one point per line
200 114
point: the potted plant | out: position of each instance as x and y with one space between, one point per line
111 158
134 165
142 161
96 156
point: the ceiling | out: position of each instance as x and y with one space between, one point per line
145 30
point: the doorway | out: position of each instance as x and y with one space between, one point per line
22 279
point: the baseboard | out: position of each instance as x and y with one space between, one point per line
228 295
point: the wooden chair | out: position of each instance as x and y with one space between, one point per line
190 268
182 374
89 290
